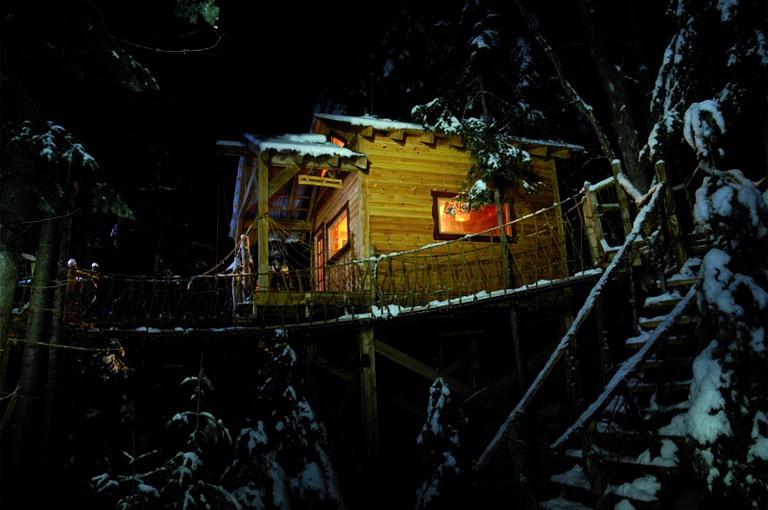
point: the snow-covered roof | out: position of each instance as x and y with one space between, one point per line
371 121
314 145
391 125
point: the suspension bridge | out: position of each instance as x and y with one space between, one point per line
440 275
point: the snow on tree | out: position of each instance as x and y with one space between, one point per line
281 461
196 441
475 105
439 440
728 416
718 55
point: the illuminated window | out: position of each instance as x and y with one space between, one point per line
454 219
338 233
338 140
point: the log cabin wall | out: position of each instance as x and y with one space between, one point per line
539 251
340 274
406 166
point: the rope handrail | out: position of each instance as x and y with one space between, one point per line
546 245
628 367
569 336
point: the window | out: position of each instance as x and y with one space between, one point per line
338 140
338 233
454 219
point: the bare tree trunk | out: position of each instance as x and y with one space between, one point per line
9 276
15 204
20 439
618 98
583 107
506 254
48 424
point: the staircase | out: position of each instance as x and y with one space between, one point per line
630 453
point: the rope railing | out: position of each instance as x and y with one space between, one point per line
644 215
545 246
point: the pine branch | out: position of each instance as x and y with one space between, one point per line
582 106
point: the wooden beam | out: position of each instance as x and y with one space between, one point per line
431 373
331 368
370 406
296 226
420 368
484 395
263 225
277 182
231 148
560 153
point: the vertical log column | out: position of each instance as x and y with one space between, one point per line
572 372
263 225
673 221
368 384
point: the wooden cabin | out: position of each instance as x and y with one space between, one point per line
331 203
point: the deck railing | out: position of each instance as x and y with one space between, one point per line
548 246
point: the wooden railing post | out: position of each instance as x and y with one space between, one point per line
673 221
592 223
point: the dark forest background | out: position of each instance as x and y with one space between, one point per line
140 92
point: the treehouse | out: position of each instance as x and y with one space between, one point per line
366 207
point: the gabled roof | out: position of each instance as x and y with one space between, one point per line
371 121
294 150
314 145
548 148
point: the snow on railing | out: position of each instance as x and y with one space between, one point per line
567 339
628 367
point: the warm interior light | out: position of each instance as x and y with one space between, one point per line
462 214
338 234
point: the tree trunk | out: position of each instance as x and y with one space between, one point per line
9 276
15 205
618 98
506 254
48 424
20 440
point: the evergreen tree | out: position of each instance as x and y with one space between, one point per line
185 472
711 86
728 418
440 441
282 459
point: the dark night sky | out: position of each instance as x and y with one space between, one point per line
263 76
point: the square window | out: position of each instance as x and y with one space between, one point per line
454 219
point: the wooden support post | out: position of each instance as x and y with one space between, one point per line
572 372
368 386
673 220
263 225
310 349
517 350
505 252
474 363
604 350
593 465
621 195
592 224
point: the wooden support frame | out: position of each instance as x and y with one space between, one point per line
369 400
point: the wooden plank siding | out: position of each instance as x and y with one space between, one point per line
387 188
404 169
